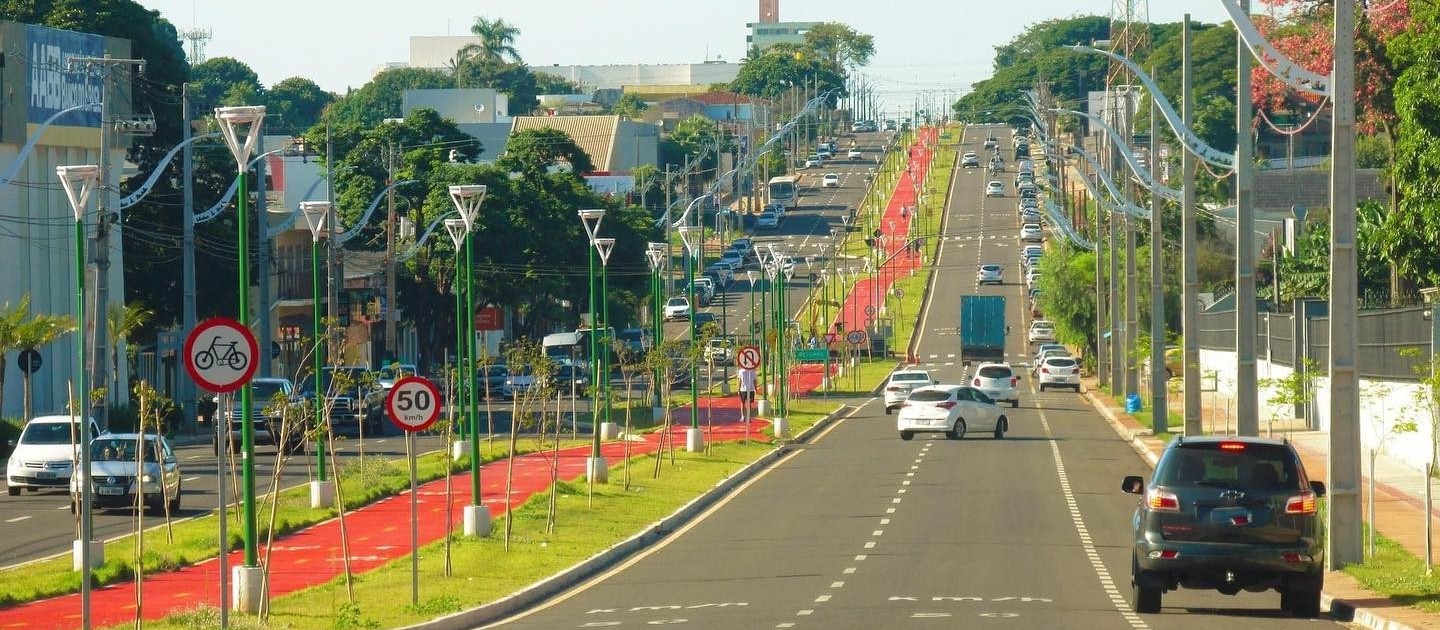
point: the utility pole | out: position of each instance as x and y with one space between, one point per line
105 67
1102 354
262 264
1117 349
187 221
1189 277
1247 418
331 263
1159 413
1344 525
390 151
1132 289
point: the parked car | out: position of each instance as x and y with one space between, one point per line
1228 514
1057 371
745 246
353 400
118 473
721 271
491 379
1042 348
901 383
677 308
388 374
813 162
990 273
719 351
995 189
1046 354
1041 330
734 258
568 379
41 458
950 409
999 381
1031 233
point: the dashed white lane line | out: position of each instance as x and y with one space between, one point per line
17 519
822 599
837 585
1091 553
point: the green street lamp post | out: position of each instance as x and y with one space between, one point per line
595 468
317 218
235 121
658 255
79 183
692 237
467 199
762 394
783 271
457 231
603 247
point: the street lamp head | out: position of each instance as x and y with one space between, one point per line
656 253
591 219
457 230
691 236
604 246
467 199
79 182
315 214
750 275
1298 211
240 142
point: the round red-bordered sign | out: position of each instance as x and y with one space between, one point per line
221 354
748 358
413 404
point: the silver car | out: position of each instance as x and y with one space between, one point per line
118 472
990 273
901 383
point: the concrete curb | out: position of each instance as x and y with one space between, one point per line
1340 609
558 583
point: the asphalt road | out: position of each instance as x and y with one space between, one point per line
859 529
39 524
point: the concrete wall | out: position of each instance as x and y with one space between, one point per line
636 143
460 105
619 76
1278 189
1383 404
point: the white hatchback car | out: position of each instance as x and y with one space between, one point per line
1057 371
854 154
990 273
830 180
999 381
901 383
677 308
995 189
1031 233
41 458
1042 330
950 409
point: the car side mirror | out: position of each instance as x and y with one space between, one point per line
1133 484
1318 487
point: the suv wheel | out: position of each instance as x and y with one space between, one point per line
906 435
958 432
887 410
1302 598
1001 427
15 490
1144 599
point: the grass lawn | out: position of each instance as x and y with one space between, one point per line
1399 575
1145 416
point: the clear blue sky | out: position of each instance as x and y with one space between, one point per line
920 44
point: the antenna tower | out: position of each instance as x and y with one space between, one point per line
197 37
1129 35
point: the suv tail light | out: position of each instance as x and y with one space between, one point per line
1045 370
1303 503
977 381
1162 501
1014 381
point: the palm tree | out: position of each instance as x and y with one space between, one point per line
497 41
21 331
122 322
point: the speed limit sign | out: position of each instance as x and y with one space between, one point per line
413 404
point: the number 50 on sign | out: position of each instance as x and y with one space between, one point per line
413 404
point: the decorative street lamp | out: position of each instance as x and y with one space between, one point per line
79 183
595 469
235 121
658 255
691 236
467 199
317 217
457 231
784 271
762 395
603 247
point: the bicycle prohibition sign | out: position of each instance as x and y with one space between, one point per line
220 354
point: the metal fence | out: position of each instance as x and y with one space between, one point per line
1392 343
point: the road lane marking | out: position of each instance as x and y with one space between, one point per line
16 519
822 599
189 479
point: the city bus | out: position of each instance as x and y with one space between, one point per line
785 191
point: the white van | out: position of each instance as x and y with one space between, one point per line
43 456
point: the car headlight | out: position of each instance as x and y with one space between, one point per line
148 478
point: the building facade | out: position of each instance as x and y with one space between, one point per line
763 35
618 76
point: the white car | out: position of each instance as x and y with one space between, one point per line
995 189
1032 277
830 180
41 458
718 351
901 383
950 409
1041 330
677 308
999 381
1047 354
813 162
1031 250
990 273
1057 371
767 221
1046 347
113 468
970 160
734 259
854 154
1031 233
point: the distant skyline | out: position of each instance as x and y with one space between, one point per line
922 45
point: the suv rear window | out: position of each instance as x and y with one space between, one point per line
1230 464
930 395
995 371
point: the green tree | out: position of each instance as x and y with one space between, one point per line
782 68
514 79
546 83
629 107
123 322
497 40
1067 295
221 79
19 330
695 138
381 97
1414 228
294 105
841 45
534 151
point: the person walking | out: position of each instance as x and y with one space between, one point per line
747 393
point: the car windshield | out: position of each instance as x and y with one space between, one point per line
49 432
263 391
930 395
1230 465
120 450
995 371
910 376
991 268
676 302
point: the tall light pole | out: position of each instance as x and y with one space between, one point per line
79 183
467 199
658 255
692 236
1247 395
317 215
1159 410
1189 275
603 247
595 469
783 272
235 121
1344 474
762 392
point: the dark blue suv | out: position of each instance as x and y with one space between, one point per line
1228 514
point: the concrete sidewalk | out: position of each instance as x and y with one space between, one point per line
1399 509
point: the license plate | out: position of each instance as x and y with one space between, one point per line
111 490
44 475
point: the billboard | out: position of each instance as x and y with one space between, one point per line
51 85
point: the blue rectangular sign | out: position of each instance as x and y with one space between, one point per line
52 85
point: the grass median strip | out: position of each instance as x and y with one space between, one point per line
1398 575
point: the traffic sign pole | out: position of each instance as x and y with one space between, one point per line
413 404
